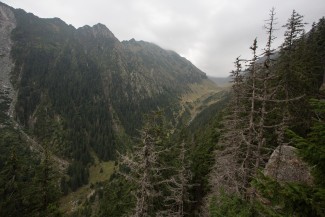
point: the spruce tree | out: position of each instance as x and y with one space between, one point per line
12 197
228 172
289 76
249 134
143 167
178 184
293 198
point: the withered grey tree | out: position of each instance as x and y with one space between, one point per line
243 135
178 185
227 172
143 166
268 89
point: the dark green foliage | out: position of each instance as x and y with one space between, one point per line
271 198
22 177
290 199
231 206
64 185
153 176
298 75
149 166
202 136
117 200
78 175
81 89
84 211
300 68
70 86
13 173
312 148
295 199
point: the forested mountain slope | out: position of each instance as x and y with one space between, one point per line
91 126
86 79
78 93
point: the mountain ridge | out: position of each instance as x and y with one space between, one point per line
79 91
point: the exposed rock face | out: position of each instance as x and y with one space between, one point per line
97 31
7 24
284 165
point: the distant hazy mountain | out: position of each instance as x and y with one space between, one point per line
220 81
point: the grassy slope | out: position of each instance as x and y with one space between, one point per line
198 98
98 172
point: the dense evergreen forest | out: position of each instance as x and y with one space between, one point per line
277 106
238 152
83 97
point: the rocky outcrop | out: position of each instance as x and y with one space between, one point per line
285 166
97 31
7 24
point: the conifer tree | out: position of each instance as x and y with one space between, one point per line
312 148
228 172
295 28
294 198
177 186
288 73
45 179
266 90
269 98
249 137
243 138
143 166
287 70
233 120
11 192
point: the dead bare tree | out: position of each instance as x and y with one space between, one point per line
227 173
249 131
142 167
178 186
243 136
267 90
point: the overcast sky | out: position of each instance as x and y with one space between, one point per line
210 33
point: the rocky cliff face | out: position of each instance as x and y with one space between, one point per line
7 93
285 166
